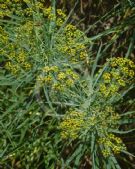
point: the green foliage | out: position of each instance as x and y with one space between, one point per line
62 104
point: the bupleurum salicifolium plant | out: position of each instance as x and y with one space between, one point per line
117 76
55 46
55 52
99 115
68 50
35 54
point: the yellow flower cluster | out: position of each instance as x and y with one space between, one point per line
59 17
111 144
13 68
72 47
24 35
72 124
48 12
107 77
8 7
76 123
58 79
121 62
3 37
19 7
121 72
17 57
103 118
18 62
108 90
67 42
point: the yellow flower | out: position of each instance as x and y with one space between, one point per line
112 144
47 79
54 68
59 22
113 88
125 70
75 76
27 66
107 77
121 82
69 82
72 124
58 87
61 76
61 13
120 71
131 73
46 69
115 75
83 55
